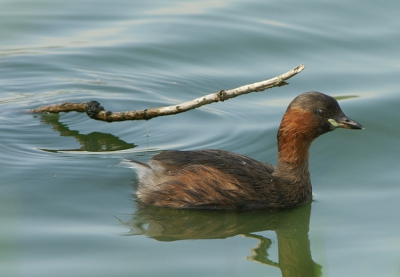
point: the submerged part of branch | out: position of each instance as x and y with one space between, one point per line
95 111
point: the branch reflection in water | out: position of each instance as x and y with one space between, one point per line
291 227
93 142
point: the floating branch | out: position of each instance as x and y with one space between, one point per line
95 111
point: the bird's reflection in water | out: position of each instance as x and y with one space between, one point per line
291 227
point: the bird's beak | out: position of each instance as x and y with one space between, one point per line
345 122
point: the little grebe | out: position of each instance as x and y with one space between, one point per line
216 179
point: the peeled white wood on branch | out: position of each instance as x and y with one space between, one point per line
95 111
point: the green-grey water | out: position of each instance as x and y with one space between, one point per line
67 208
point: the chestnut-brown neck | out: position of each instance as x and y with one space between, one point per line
295 135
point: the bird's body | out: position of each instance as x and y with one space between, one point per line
217 179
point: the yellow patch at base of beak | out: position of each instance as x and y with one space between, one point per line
333 122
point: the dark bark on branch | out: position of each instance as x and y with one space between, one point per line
95 111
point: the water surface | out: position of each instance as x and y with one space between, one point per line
67 209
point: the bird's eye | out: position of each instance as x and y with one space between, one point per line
322 113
